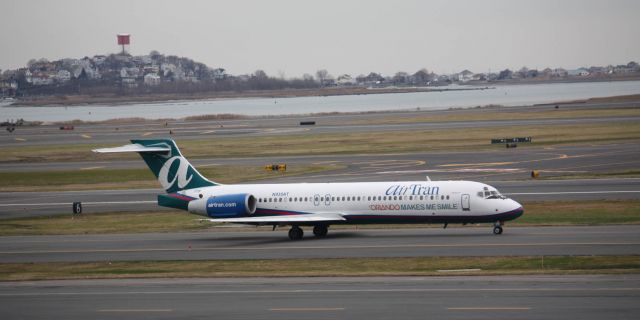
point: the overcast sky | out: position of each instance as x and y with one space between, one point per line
293 37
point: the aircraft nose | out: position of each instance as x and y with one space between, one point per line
518 209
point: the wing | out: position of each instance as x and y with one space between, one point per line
299 218
132 148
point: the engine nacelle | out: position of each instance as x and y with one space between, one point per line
225 206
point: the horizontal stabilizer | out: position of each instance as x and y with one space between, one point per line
299 218
133 148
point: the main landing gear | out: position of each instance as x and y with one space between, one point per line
320 231
296 233
497 228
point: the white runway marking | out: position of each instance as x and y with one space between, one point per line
68 203
573 192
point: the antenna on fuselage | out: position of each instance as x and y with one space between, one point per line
428 179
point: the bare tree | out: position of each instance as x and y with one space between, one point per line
322 76
400 77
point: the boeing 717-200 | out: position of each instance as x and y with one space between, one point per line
319 205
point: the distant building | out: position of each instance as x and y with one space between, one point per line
151 79
578 72
465 76
153 68
41 79
219 74
99 59
63 76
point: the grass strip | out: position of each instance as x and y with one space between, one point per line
591 212
423 266
550 213
351 143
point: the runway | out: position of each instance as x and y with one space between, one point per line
497 164
341 243
482 297
508 170
341 123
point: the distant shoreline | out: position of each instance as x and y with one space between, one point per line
77 100
114 100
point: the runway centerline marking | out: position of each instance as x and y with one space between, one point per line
92 168
489 308
68 203
572 192
307 309
134 310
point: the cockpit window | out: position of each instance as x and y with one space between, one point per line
494 195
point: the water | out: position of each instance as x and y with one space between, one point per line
506 95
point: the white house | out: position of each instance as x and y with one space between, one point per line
151 79
578 72
41 79
63 76
465 76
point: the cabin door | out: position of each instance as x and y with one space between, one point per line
465 202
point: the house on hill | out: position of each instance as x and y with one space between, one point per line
465 76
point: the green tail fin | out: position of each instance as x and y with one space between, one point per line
173 171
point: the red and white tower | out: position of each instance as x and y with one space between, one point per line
124 39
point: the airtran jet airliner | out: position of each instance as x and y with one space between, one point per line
319 205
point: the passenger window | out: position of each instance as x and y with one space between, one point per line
431 197
447 197
358 198
333 198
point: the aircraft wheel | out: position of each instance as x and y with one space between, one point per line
497 230
320 231
295 233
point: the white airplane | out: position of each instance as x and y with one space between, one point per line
319 205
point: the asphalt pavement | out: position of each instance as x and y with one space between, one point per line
32 204
340 243
483 297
